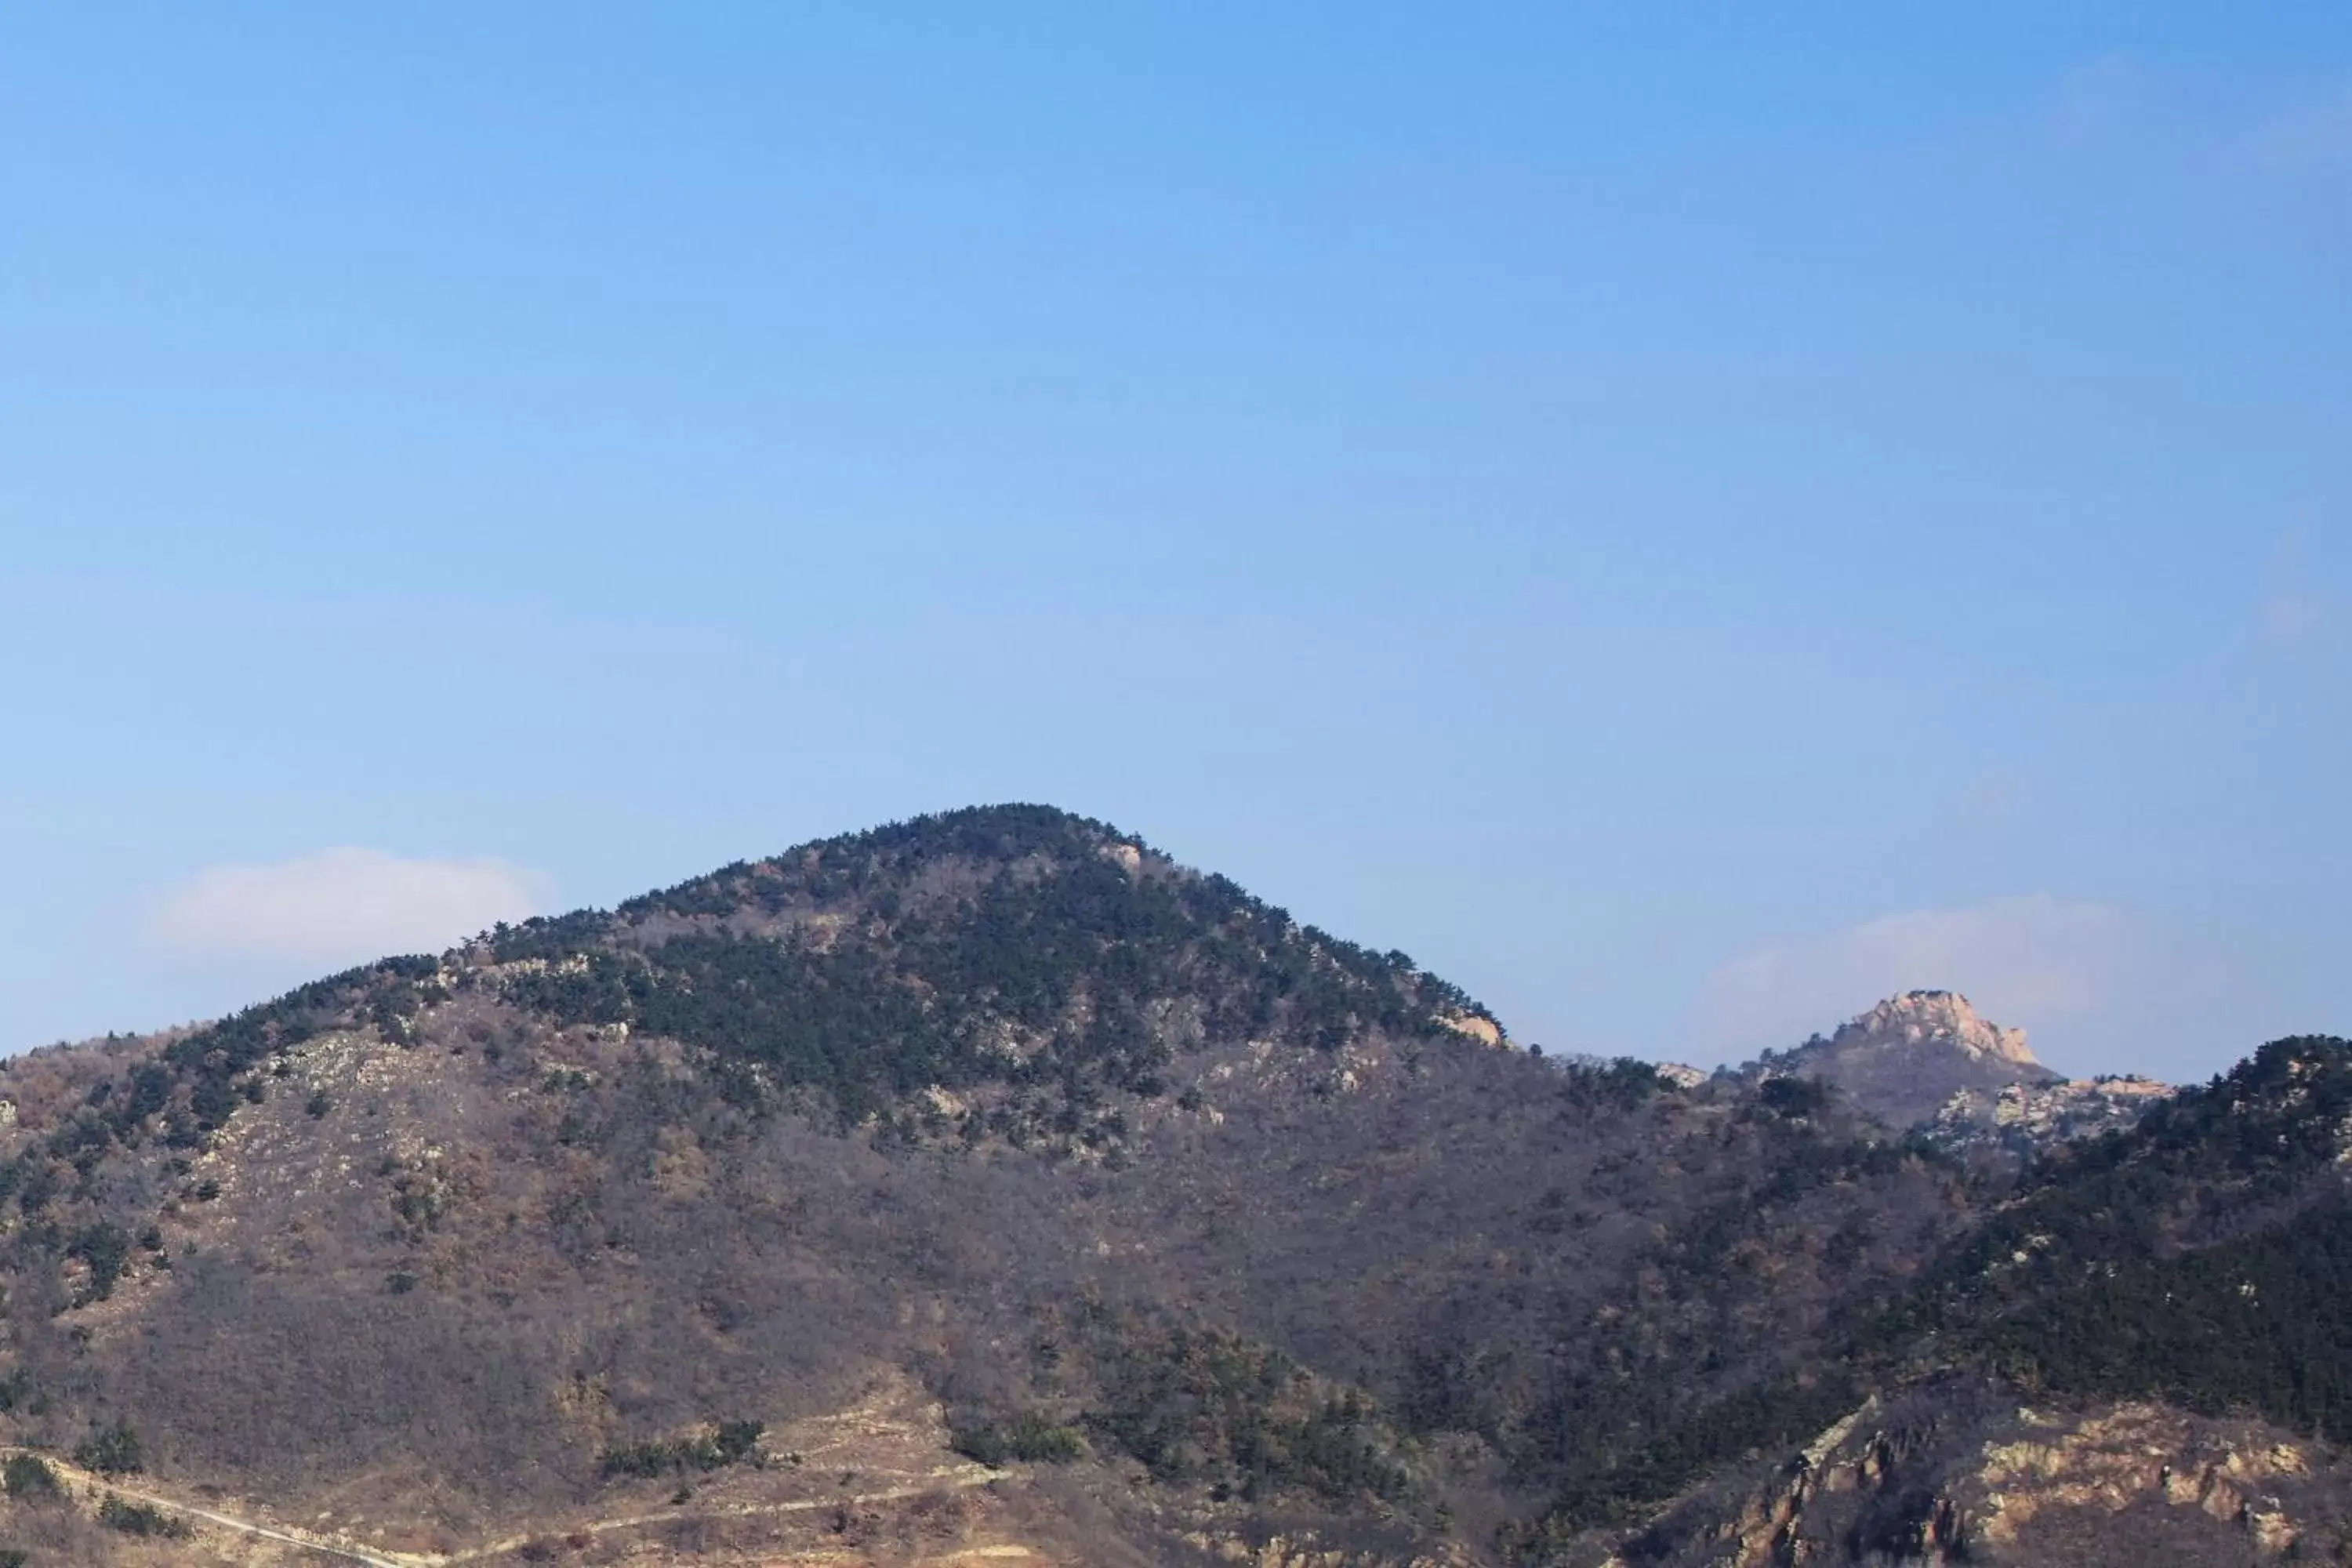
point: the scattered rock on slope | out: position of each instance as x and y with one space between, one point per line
1905 1059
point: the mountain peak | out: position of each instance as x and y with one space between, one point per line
1903 1059
1919 1017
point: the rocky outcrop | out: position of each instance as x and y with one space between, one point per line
1961 1473
1478 1026
1852 1494
2024 1117
1943 1018
1906 1059
2140 1453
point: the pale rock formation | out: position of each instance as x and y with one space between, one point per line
1944 1017
1929 1059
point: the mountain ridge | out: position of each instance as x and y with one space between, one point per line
1000 1132
1927 1061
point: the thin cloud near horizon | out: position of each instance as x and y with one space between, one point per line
2026 961
342 905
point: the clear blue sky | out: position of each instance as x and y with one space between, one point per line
1682 524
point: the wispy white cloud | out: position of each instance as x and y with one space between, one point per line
2023 960
342 905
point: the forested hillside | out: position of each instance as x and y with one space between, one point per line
2203 1257
1163 1223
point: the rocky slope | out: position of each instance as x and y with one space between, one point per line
1927 1059
2021 1119
1962 1470
993 1187
2140 1351
1909 1057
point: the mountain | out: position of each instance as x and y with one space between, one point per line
1907 1057
2141 1351
993 1188
1927 1059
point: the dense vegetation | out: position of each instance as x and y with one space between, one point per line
1015 944
24 1476
2203 1257
1030 1437
1644 1403
112 1450
140 1519
1198 1406
725 1442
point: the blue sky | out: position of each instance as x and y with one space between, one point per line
1683 523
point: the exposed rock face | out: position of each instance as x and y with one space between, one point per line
1916 1017
1905 1059
1929 1060
2137 1453
1478 1026
2023 1117
1960 1473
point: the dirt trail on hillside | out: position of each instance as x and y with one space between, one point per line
179 1508
945 1481
878 1429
